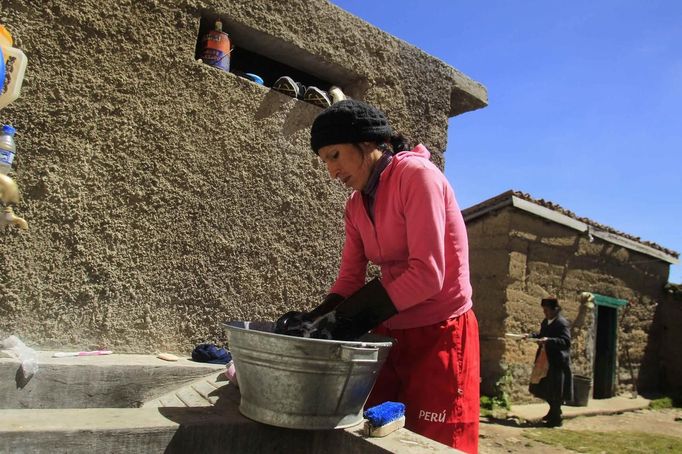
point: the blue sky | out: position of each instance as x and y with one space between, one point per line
585 102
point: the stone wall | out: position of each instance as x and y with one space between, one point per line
518 258
489 266
165 196
669 325
549 259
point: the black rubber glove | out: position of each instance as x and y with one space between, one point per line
296 323
291 324
360 312
329 304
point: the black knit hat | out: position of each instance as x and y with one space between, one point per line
349 121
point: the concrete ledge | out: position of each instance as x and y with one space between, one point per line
535 412
115 381
183 430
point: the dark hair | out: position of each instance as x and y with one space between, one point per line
394 144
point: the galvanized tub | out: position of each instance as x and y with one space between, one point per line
301 383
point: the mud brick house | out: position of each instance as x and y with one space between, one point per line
610 284
165 196
669 317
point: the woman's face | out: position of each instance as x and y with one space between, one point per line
349 163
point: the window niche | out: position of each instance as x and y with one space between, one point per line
270 57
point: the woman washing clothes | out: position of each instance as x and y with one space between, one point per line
402 215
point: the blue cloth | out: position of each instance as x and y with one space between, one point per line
210 353
382 414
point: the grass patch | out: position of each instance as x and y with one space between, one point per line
606 442
666 402
494 407
661 403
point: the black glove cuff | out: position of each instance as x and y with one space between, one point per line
363 311
329 304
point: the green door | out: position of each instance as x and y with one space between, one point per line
606 346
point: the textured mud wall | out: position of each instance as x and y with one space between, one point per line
549 259
669 327
164 196
489 267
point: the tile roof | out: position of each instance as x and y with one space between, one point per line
505 199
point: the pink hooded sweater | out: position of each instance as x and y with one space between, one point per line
418 238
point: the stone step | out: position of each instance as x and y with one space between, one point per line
201 393
112 381
201 415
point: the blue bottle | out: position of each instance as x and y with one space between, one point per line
8 149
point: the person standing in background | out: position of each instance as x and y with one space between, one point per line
552 379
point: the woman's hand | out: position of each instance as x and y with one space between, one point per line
291 323
300 324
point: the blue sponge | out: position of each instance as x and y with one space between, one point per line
384 413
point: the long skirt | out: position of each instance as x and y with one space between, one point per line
556 386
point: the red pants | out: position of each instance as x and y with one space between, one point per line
435 371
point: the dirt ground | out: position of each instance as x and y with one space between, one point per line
506 436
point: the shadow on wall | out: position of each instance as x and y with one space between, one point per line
670 347
272 103
300 117
492 367
653 369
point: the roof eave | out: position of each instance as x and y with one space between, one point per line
559 218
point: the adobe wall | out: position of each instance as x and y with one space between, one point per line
165 196
549 259
669 325
489 265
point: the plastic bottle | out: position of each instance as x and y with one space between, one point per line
27 356
15 65
216 47
7 149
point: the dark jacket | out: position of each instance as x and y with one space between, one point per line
558 343
558 385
